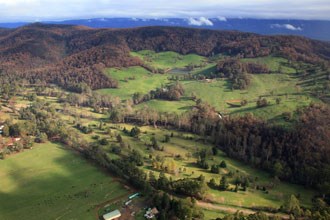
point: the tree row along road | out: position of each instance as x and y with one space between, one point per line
228 209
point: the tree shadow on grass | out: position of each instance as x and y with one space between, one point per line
62 186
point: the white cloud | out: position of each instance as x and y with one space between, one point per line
286 26
29 10
202 21
222 18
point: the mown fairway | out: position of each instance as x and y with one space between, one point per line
50 182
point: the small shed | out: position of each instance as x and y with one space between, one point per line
112 215
134 195
128 202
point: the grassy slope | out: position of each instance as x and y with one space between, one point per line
218 92
168 106
273 63
168 60
51 182
178 145
181 145
144 81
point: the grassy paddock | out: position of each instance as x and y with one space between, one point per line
51 182
168 60
186 145
132 80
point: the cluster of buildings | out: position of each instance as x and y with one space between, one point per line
151 213
115 215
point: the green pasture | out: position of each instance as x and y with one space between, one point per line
51 182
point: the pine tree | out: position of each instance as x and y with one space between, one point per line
223 183
223 164
215 169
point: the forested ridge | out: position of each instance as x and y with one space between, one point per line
68 55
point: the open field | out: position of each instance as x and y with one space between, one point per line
270 86
51 182
50 177
287 86
61 169
275 64
180 106
168 60
132 80
186 145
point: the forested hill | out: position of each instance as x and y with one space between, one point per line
67 55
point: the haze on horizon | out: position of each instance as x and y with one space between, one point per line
46 10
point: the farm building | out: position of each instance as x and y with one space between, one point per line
112 215
151 213
128 202
134 195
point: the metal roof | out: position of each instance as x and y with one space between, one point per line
112 215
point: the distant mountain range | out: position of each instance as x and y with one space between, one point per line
314 29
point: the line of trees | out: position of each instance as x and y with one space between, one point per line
172 93
300 155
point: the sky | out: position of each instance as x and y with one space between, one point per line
46 10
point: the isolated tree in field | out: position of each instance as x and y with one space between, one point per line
212 183
278 101
262 103
223 164
236 188
115 115
119 138
154 143
167 138
292 205
135 131
223 183
215 169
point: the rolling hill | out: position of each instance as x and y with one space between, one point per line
68 55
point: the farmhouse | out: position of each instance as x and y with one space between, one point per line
112 215
151 213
